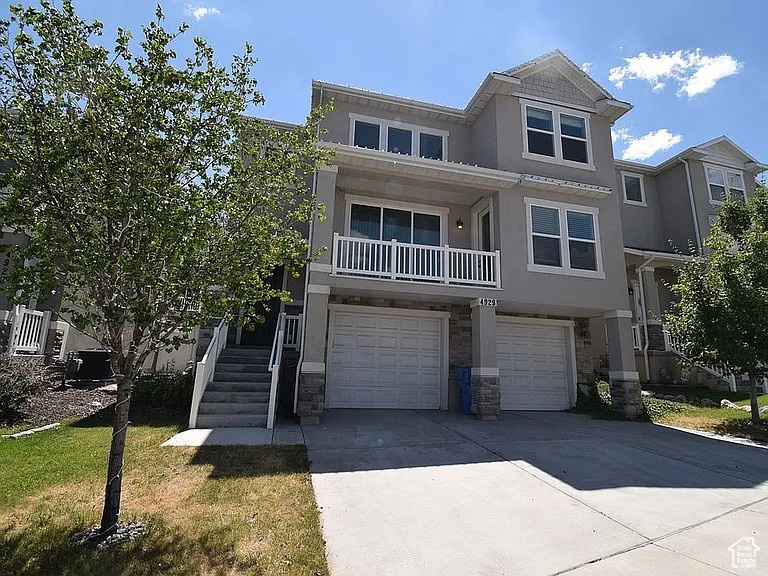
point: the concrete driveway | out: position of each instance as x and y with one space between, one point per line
403 492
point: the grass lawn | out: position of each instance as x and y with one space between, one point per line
718 420
211 510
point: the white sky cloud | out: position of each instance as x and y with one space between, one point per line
586 66
647 145
199 12
694 72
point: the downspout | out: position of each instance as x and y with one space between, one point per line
644 315
692 202
306 284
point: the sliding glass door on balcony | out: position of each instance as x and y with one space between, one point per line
403 226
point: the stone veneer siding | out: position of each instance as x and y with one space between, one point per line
486 397
626 397
311 401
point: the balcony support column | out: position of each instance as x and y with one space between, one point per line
623 376
486 392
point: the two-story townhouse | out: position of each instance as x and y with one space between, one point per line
666 212
486 236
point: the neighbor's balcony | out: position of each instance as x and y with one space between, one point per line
393 260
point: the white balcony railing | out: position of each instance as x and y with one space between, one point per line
29 330
415 262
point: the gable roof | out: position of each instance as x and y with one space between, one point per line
507 82
703 151
574 72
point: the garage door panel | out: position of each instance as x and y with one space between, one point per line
384 361
532 367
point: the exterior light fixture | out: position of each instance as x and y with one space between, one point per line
460 224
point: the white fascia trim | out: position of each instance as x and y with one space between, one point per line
318 289
623 375
313 368
618 314
643 201
657 255
564 186
529 320
444 168
485 372
390 311
320 267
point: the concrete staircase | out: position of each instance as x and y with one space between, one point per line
238 395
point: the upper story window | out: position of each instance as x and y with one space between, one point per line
723 183
557 135
563 238
398 137
634 188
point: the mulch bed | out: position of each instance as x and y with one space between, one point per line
64 403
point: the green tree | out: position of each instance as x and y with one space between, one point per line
721 315
147 195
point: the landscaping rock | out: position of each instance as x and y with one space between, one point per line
93 540
746 408
763 410
646 393
679 398
707 403
725 403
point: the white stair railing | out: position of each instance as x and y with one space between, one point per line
29 330
292 331
275 359
673 344
206 368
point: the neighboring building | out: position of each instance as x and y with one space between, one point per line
503 236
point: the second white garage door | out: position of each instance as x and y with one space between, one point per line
533 367
384 360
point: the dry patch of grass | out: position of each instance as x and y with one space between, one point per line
211 511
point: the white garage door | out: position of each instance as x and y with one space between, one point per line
532 366
384 360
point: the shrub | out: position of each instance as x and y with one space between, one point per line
20 378
165 390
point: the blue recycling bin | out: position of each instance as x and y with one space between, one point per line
464 375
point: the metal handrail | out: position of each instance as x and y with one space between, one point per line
206 368
275 359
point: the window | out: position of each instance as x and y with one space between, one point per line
724 183
366 135
634 188
398 137
399 141
563 239
384 223
541 132
555 134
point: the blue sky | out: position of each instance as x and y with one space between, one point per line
440 51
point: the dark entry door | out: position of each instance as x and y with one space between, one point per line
263 334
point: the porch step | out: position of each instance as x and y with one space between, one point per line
238 386
246 351
230 366
231 420
227 376
227 408
232 396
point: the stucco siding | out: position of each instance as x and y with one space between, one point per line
675 208
641 225
484 137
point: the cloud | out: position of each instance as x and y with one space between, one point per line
199 12
647 145
694 72
586 66
620 134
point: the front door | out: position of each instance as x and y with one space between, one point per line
263 334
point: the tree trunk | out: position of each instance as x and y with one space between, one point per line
113 490
753 399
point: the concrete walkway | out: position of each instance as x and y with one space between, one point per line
284 432
404 492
